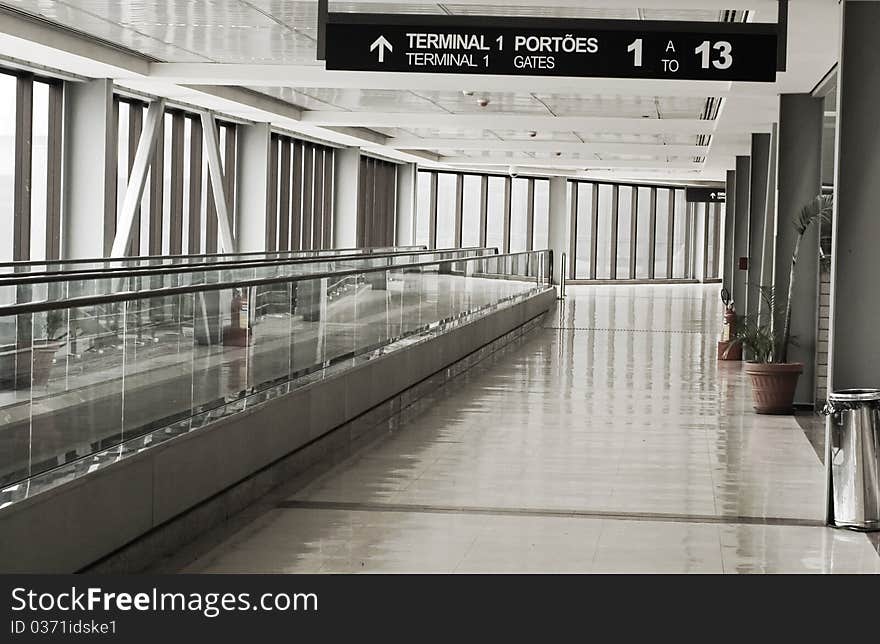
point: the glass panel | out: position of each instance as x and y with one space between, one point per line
166 185
643 234
624 231
679 236
603 232
7 163
471 204
423 209
495 214
519 204
584 240
445 210
81 384
661 244
187 156
542 215
39 170
121 154
711 214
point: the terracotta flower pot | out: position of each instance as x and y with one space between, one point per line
773 386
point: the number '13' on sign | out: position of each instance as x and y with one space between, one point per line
724 51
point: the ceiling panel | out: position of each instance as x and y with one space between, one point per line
508 102
371 100
297 98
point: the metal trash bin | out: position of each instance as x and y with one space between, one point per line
852 458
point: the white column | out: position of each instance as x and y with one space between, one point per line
253 186
560 222
345 197
406 204
89 172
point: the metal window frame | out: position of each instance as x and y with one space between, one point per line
285 221
327 220
459 210
54 167
530 214
194 221
175 245
594 237
615 216
573 227
317 199
652 234
295 198
271 242
432 213
508 193
670 235
308 204
716 266
22 166
634 228
484 208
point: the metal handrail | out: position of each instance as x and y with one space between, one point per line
133 258
92 300
23 279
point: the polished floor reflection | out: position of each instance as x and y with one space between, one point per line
611 441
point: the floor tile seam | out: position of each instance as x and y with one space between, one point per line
618 515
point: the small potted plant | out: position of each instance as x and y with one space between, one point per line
767 337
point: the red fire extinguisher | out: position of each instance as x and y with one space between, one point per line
238 333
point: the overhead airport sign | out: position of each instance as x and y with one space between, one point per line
551 47
705 195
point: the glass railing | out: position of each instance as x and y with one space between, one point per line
88 382
67 285
48 267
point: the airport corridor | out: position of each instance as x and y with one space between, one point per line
610 440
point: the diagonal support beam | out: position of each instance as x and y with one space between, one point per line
215 168
138 177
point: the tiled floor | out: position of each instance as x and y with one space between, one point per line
612 441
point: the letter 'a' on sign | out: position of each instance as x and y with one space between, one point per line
670 50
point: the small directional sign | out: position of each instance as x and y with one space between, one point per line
552 47
381 43
705 195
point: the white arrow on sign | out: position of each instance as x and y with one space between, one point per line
382 43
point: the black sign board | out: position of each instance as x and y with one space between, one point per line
551 47
705 195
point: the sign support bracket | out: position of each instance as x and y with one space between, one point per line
782 36
323 11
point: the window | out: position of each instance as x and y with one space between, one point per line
679 237
520 205
496 213
299 196
605 222
177 214
541 234
30 167
377 203
625 232
447 209
661 234
584 231
471 210
423 209
644 233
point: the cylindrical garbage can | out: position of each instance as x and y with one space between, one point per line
853 460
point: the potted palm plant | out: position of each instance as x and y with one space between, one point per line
768 337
